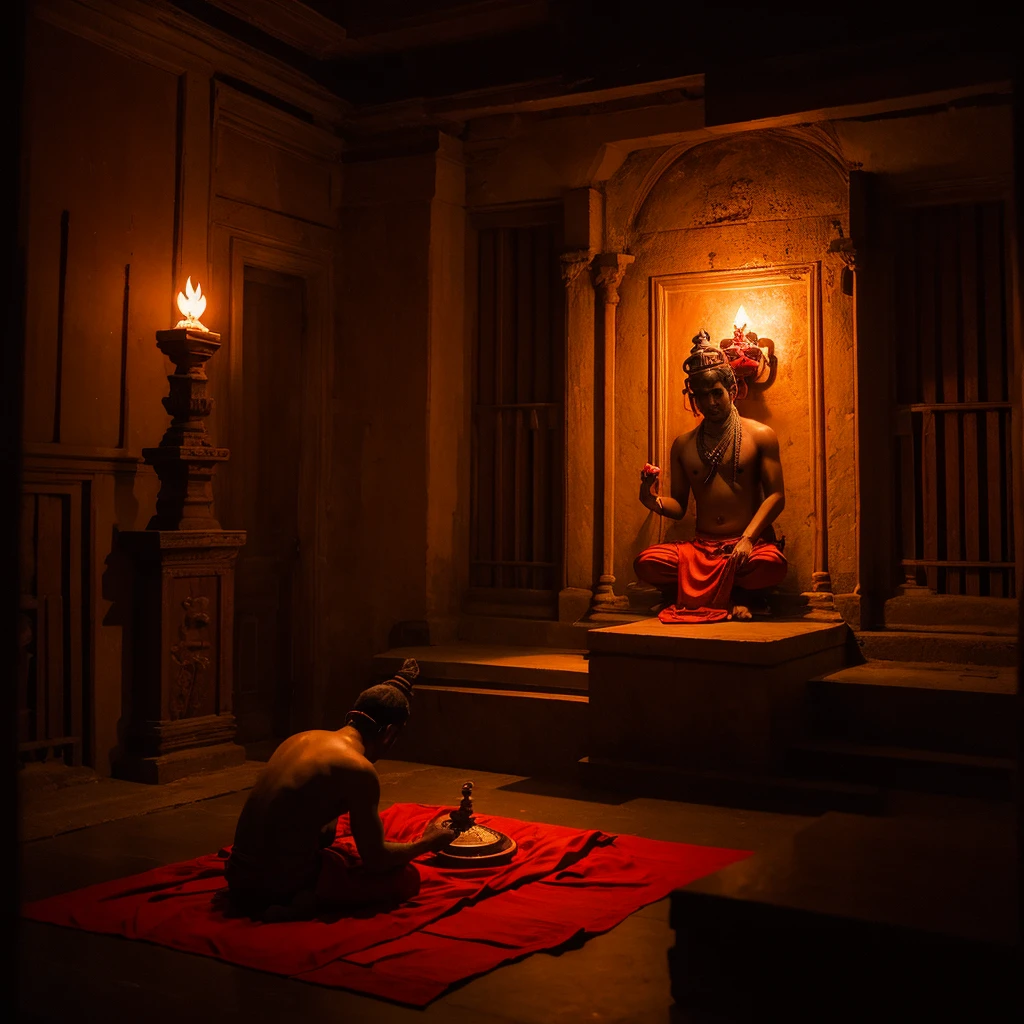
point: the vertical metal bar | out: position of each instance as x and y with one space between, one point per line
993 344
500 274
524 393
122 419
969 346
62 287
928 361
543 257
948 307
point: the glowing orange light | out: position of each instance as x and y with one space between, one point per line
192 304
741 319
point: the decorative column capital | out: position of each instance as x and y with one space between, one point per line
609 270
574 263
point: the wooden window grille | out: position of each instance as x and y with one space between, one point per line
954 365
50 625
518 413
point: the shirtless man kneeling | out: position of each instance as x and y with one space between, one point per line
281 865
732 466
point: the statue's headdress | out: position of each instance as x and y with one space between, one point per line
703 356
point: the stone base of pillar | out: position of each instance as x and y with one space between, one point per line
170 767
821 607
608 606
181 721
574 603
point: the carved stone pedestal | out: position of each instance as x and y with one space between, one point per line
181 721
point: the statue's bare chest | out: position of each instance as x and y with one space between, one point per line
738 470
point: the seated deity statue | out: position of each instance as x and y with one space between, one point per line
282 865
732 466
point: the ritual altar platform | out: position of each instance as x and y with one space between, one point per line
710 710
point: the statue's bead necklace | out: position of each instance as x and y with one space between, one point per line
711 456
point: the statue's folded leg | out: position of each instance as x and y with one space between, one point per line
658 565
766 567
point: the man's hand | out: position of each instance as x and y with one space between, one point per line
741 552
438 836
650 485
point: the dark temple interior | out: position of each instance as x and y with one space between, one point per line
338 333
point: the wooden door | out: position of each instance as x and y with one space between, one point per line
267 473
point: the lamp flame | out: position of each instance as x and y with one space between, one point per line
741 320
192 304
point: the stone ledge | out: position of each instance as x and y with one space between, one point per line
507 731
536 668
737 643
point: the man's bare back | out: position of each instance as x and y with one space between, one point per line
311 779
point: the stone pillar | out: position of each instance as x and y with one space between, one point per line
180 721
579 562
609 269
820 599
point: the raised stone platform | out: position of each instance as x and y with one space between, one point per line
856 919
495 707
722 697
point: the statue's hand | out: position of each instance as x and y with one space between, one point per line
650 481
741 552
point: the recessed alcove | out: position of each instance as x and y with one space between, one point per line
783 305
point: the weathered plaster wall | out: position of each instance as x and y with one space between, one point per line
448 398
101 139
121 134
401 476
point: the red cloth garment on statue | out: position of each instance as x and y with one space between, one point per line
561 883
705 577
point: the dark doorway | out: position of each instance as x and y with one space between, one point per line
266 479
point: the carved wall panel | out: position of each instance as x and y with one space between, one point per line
269 159
783 304
50 676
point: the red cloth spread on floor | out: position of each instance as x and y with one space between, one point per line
561 883
705 577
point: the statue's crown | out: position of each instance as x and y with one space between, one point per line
703 356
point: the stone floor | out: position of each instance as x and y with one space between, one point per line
621 976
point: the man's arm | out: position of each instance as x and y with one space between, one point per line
377 853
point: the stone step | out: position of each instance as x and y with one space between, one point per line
517 732
914 609
941 706
543 633
965 645
503 708
903 768
546 670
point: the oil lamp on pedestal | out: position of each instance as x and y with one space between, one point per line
181 720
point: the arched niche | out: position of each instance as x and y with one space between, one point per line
745 219
779 174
